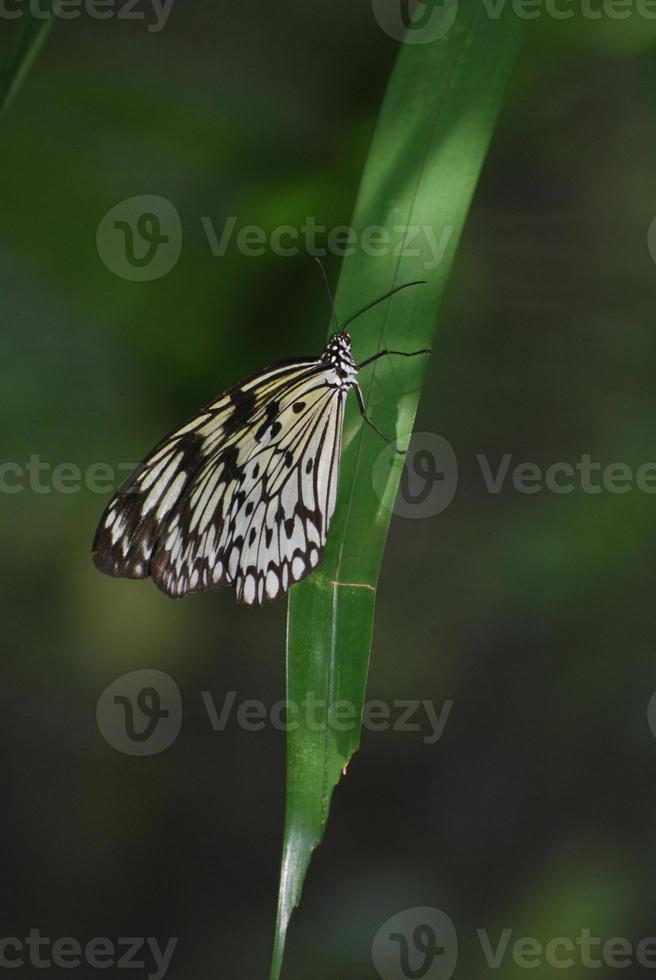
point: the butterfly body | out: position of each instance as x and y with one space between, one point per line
338 355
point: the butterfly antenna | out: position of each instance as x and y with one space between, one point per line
397 289
328 292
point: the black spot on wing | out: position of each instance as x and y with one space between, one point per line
228 460
270 421
244 403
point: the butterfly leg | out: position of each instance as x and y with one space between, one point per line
363 413
401 353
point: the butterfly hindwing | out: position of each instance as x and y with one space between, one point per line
129 529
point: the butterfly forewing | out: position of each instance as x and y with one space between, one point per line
241 495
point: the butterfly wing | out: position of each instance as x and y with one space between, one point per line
242 495
132 522
265 528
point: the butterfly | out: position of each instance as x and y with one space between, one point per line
242 494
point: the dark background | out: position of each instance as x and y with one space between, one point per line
533 613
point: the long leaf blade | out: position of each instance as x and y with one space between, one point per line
31 34
435 126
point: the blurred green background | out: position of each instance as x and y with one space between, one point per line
533 613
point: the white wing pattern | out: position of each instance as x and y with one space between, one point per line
243 494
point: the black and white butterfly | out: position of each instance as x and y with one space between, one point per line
243 493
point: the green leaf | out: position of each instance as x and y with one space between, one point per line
435 126
35 24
